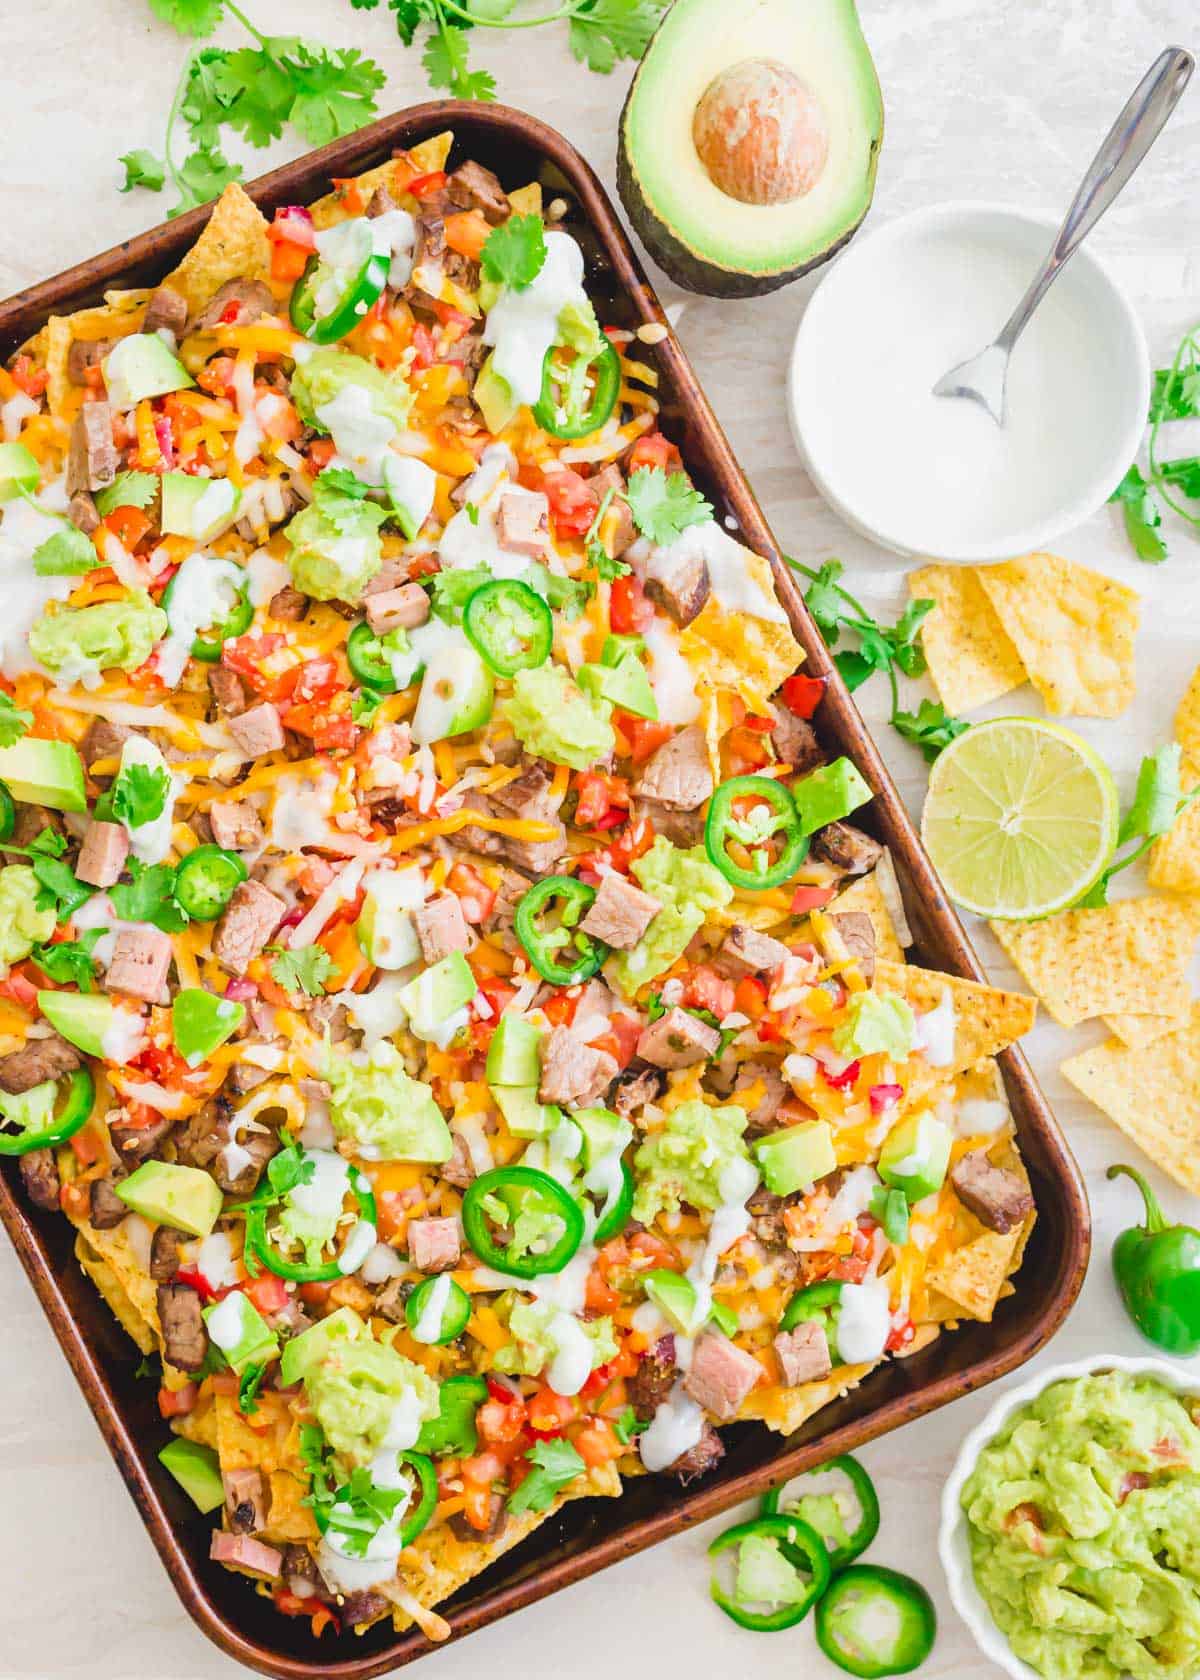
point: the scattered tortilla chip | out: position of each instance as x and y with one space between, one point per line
866 896
785 1409
200 1424
971 659
739 650
1072 628
116 318
233 246
1155 1100
986 1019
115 1295
717 715
117 1252
1127 958
1139 1030
1187 720
1175 859
972 1276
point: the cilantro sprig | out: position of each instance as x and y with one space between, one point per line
69 963
555 1464
1158 801
14 722
304 970
1174 484
664 504
356 1509
514 253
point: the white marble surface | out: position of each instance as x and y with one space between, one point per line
984 100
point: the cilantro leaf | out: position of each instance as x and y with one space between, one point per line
203 175
1175 394
304 970
335 92
445 61
607 568
69 963
140 794
556 1464
253 93
342 480
68 553
60 890
562 594
665 504
603 31
340 498
1143 516
203 103
906 649
149 896
628 1425
190 17
128 489
929 728
248 1387
825 599
1184 474
1157 804
409 15
289 1168
13 721
142 169
515 252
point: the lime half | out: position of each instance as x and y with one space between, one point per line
1020 819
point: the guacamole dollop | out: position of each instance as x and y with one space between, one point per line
335 553
1083 1514
77 643
321 379
553 718
22 924
688 1159
540 1331
687 886
367 1396
388 1115
877 1023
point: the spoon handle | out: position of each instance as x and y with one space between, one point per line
1126 144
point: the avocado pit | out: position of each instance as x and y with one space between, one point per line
761 133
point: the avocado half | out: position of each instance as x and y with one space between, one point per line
749 141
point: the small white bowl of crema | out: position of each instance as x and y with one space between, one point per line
935 476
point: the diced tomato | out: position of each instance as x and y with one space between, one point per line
852 1267
165 438
88 1146
549 1413
499 993
573 503
810 898
474 895
293 225
599 794
900 1336
322 1618
596 1443
560 1009
745 751
317 679
802 694
204 1287
644 736
621 1038
706 989
267 1292
288 262
314 1294
599 1296
883 1097
633 842
216 377
653 450
425 348
467 233
129 525
448 315
320 452
28 378
477 1504
347 190
498 1423
629 612
335 732
1132 1482
246 655
20 990
177 1402
750 996
426 184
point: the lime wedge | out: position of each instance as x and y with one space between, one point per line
1020 819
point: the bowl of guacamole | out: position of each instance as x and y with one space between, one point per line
1070 1527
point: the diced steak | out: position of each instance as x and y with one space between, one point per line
721 1375
258 730
620 913
166 308
288 605
245 1501
39 1060
134 1142
762 1084
85 354
83 514
244 1077
523 522
140 962
227 690
238 303
573 1074
241 1551
164 1253
403 608
678 1040
618 535
434 1245
102 854
681 828
472 187
857 933
185 1341
441 927
698 1460
635 1089
246 924
496 1523
235 825
510 890
677 579
996 1196
746 951
459 1170
389 1303
795 741
678 774
92 456
31 821
361 1606
803 1354
103 740
847 848
39 1175
106 1209
380 203
654 1378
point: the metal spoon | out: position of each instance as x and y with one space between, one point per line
984 378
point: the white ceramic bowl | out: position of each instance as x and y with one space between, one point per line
953 1546
911 300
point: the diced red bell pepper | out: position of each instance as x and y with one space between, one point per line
207 1290
426 184
883 1097
802 694
129 525
900 1336
843 1081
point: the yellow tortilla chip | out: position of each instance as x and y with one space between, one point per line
1187 720
971 1278
1139 1030
739 651
1175 859
1072 628
1127 958
1155 1100
115 1295
427 158
866 897
116 318
200 1424
266 1442
288 1518
785 1409
233 246
986 1019
116 1251
716 714
971 659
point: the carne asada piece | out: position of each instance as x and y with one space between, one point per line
996 1196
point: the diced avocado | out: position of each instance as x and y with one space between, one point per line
493 397
183 1197
437 994
624 685
44 773
603 1132
749 141
201 1022
829 794
236 1326
457 693
523 1114
82 1018
141 366
385 930
200 508
19 471
410 485
616 647
793 1159
197 1470
311 1346
675 1295
513 1055
725 1319
915 1156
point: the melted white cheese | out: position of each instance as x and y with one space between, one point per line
521 326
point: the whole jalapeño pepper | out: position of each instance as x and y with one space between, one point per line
1157 1268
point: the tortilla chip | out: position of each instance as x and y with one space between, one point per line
785 1409
1127 958
1155 1100
740 651
866 896
1072 628
1140 1030
268 1441
971 659
114 1293
1187 719
116 1251
427 158
233 246
200 1424
1175 859
288 1518
971 1278
717 716
116 318
442 1563
986 1019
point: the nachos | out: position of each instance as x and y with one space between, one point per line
442 983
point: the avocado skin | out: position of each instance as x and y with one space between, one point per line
677 259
